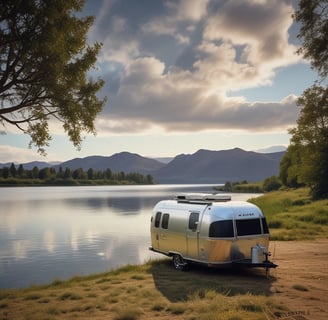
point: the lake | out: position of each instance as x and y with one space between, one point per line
51 233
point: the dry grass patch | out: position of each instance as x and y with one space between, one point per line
158 291
128 313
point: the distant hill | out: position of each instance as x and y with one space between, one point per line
204 166
207 166
124 161
31 165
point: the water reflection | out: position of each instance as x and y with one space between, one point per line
60 232
118 205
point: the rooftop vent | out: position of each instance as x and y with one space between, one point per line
202 197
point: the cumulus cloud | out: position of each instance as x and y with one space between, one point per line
230 46
179 21
193 10
181 100
260 26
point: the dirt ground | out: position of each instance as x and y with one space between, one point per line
301 279
299 283
298 286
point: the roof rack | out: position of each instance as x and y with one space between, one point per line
202 197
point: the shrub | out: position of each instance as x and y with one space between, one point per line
271 184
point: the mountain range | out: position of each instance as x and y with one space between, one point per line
203 166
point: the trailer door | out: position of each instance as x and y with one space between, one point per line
156 231
192 235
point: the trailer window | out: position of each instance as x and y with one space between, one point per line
157 219
248 227
265 226
193 219
221 229
165 220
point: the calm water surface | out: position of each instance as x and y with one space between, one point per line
49 233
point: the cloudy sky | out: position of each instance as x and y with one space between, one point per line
183 75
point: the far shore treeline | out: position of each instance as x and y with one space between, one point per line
12 176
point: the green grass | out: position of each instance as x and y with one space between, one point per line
292 215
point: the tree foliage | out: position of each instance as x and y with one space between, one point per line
313 16
44 65
306 160
59 176
272 183
289 167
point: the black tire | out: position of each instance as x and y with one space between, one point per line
179 263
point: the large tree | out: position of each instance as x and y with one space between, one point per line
313 16
311 138
44 65
306 160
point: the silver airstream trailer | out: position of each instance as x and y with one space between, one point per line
210 229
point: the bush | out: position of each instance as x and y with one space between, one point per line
271 184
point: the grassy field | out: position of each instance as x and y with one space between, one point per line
156 290
291 215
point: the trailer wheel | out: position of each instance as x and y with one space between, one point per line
179 263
